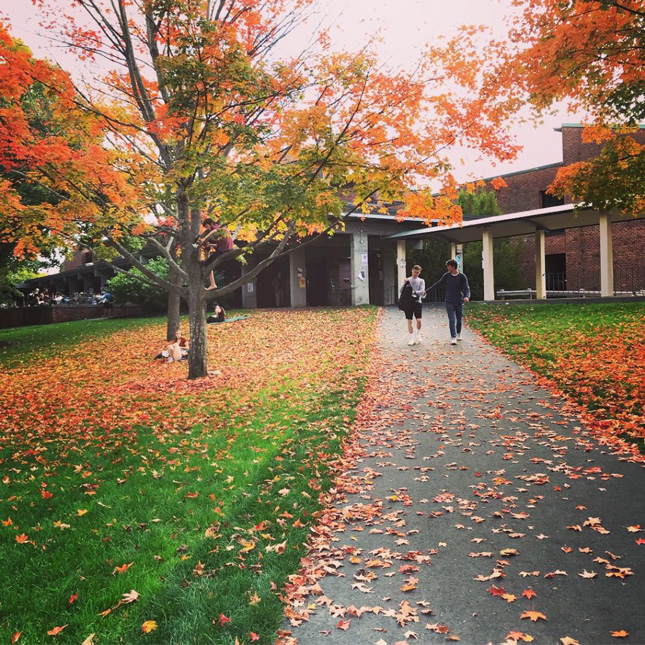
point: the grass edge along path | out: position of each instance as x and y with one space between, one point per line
592 354
224 579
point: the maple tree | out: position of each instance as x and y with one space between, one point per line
197 116
294 418
590 55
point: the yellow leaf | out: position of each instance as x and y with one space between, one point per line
148 626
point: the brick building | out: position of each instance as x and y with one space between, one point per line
573 255
364 262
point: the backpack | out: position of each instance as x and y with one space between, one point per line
406 298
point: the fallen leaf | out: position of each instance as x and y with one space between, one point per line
588 574
123 568
131 596
344 624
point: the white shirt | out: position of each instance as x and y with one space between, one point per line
418 286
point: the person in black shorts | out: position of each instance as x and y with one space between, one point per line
414 308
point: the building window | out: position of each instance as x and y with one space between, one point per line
549 200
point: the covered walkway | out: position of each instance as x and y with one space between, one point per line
536 222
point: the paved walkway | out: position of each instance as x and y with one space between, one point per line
480 511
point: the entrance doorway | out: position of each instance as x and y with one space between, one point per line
317 281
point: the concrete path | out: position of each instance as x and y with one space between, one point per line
479 511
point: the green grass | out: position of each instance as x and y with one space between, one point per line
42 341
593 352
198 511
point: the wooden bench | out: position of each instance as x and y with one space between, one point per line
516 293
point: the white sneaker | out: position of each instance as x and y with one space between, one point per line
411 340
417 338
453 341
459 337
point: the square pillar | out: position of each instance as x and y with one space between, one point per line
360 270
457 253
390 287
298 277
540 265
606 257
401 271
487 264
249 292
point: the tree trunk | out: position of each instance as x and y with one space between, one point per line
198 361
174 302
190 222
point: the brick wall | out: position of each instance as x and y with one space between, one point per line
45 315
523 191
580 245
582 249
573 149
78 260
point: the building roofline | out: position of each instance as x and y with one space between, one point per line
555 164
641 126
381 216
493 219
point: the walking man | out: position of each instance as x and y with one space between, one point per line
457 292
413 307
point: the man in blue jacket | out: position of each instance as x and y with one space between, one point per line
457 292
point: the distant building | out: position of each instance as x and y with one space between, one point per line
573 254
364 262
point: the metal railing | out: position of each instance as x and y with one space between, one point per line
627 281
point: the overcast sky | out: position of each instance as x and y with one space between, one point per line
405 26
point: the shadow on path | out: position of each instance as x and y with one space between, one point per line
479 510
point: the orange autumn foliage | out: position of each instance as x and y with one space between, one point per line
193 116
587 54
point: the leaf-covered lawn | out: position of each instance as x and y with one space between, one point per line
594 353
138 506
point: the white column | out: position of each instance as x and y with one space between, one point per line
401 270
540 265
360 270
298 278
606 257
487 265
390 288
453 250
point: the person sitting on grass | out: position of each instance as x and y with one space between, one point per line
177 350
218 315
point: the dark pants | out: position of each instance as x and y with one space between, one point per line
455 316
